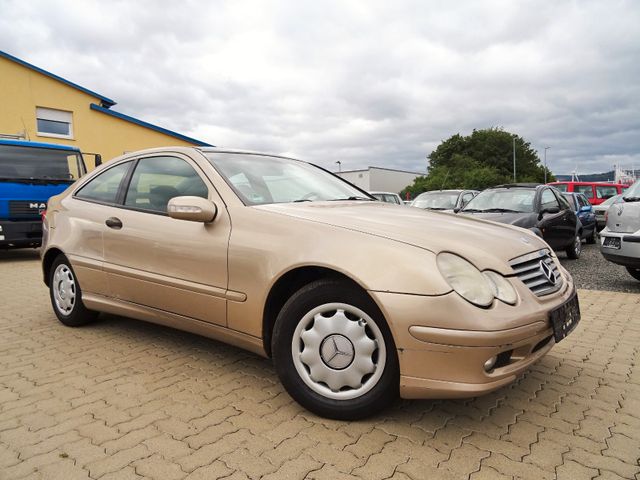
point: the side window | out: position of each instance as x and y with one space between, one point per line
104 187
586 190
157 180
606 191
565 202
548 200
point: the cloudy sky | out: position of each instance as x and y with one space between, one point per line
364 82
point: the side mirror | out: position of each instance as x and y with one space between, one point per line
98 159
586 208
193 209
551 210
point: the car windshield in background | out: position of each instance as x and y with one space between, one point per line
506 200
561 186
29 163
260 180
436 200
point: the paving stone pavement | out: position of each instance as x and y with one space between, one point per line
121 399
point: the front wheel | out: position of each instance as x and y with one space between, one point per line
634 272
334 353
574 251
66 296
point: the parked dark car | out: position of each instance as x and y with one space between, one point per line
586 215
540 208
446 200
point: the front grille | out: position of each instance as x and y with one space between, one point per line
26 208
538 271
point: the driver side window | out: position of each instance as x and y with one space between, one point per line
548 200
157 180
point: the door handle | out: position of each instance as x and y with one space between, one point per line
113 222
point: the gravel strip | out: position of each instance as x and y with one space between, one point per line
592 272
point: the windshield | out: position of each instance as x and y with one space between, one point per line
611 200
510 200
259 180
27 163
560 186
436 200
633 191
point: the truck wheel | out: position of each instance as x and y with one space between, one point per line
66 295
334 353
634 272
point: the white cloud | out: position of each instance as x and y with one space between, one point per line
366 82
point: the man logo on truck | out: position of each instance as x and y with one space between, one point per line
39 206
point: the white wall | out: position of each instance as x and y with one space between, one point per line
360 178
382 180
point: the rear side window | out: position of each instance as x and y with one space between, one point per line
605 191
586 190
159 179
104 187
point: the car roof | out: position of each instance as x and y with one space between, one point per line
519 185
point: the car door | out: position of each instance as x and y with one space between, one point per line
553 225
154 260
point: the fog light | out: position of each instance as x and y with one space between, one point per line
488 365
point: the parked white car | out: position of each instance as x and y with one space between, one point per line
620 239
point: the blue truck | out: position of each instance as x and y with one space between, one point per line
31 173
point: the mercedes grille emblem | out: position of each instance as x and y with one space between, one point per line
548 272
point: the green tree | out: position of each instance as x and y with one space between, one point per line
478 161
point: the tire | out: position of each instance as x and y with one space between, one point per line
316 339
66 295
575 249
634 272
591 239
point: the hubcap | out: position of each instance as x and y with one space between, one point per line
578 244
338 351
64 289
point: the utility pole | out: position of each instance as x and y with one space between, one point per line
514 159
339 166
545 163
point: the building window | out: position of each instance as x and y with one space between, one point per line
54 123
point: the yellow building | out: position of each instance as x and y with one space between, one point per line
40 106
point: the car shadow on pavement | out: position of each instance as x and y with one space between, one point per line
20 255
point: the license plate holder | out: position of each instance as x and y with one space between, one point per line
612 242
565 318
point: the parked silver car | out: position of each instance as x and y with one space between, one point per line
620 239
601 210
447 200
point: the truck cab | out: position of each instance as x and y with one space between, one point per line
31 173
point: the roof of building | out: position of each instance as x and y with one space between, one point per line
151 126
104 100
382 168
27 143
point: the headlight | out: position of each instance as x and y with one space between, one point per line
465 279
502 289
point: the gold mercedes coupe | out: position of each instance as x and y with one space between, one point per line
355 300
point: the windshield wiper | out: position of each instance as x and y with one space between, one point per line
631 199
472 210
500 210
352 198
302 200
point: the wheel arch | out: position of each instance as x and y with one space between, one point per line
289 283
47 262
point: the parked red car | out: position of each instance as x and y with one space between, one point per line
596 192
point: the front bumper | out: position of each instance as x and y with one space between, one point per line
442 350
20 234
628 255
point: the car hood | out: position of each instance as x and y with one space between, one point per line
486 244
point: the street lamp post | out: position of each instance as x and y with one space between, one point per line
545 163
339 166
514 159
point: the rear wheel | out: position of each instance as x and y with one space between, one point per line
634 272
591 239
574 251
66 296
334 353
